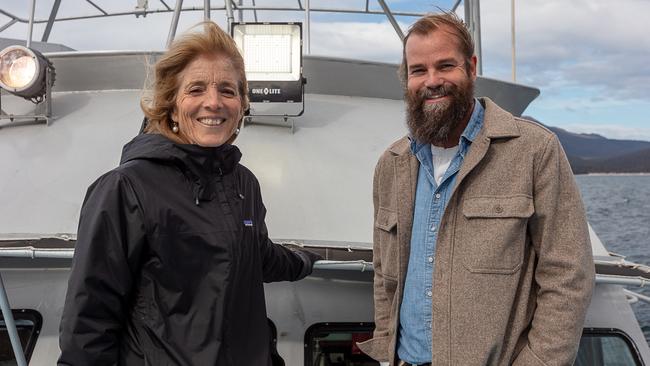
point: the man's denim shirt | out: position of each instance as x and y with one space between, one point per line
414 342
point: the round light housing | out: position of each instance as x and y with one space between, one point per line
23 72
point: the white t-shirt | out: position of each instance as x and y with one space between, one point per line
441 158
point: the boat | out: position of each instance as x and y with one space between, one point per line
53 150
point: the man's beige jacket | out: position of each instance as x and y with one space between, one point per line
514 271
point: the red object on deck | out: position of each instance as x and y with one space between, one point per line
359 337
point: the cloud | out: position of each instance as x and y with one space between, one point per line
596 44
371 41
110 33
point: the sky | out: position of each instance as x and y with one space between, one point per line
589 58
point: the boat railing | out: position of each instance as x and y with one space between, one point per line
237 9
229 7
613 271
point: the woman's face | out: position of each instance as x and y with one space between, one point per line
208 103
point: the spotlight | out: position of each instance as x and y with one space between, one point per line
26 73
272 55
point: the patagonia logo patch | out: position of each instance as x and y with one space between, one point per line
248 222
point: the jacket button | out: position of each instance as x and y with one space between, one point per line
498 209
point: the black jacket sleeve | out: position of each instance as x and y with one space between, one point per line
281 263
110 239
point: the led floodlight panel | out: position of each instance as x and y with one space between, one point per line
273 57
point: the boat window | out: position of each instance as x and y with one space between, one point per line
276 359
28 325
606 347
335 344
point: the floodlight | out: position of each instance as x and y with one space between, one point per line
24 72
273 58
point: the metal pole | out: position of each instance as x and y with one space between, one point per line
512 32
174 25
478 46
254 11
453 8
9 24
240 12
229 14
31 23
473 20
50 21
359 265
622 280
307 27
477 40
97 7
391 19
165 4
467 6
48 95
11 326
33 253
206 10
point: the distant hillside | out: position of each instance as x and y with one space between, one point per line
592 153
635 162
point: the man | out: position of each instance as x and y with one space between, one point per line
481 247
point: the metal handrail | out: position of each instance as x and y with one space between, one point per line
34 253
198 8
229 6
472 17
637 296
68 253
361 265
356 265
622 280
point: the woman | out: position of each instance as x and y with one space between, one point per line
172 248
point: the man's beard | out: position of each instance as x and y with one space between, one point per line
433 123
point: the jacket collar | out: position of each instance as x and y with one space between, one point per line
201 161
498 123
200 165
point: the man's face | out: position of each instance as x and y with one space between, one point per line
440 86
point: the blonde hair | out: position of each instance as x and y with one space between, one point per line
159 105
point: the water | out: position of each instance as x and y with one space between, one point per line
618 209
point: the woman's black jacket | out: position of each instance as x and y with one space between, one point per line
171 254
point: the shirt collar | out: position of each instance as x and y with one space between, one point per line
469 134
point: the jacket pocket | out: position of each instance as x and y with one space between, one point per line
386 235
390 285
527 357
492 236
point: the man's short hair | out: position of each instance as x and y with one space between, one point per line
446 21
